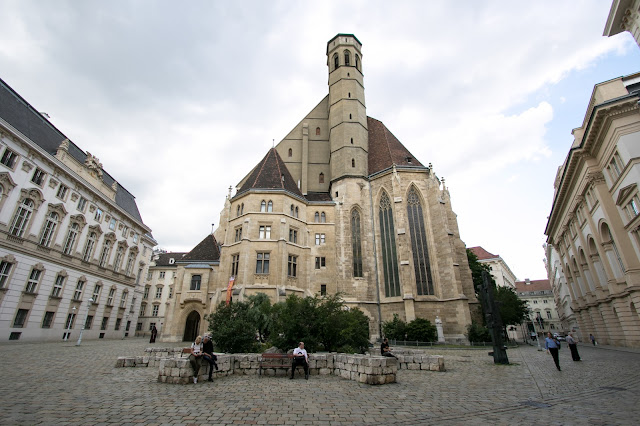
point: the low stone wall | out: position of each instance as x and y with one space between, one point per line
370 369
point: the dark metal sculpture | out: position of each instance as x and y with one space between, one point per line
494 321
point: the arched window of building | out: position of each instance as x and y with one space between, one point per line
323 218
357 62
336 62
263 206
118 260
238 211
72 235
321 178
356 243
612 253
292 210
317 131
296 212
316 217
419 247
22 217
49 229
242 208
290 152
353 162
347 58
388 242
87 253
270 206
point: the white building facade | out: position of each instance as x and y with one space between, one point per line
500 271
73 247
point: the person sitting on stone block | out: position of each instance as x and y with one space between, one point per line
208 355
385 350
196 357
300 357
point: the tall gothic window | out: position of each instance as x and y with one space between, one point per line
389 256
356 243
419 247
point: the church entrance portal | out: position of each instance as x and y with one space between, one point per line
191 327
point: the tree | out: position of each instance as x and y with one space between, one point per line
513 310
421 330
478 333
232 329
394 329
260 314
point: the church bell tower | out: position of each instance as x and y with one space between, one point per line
348 134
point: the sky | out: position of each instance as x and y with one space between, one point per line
180 100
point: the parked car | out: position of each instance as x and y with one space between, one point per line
559 337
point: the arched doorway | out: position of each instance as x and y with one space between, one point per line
191 327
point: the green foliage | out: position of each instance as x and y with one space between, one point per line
512 309
260 314
421 330
478 333
476 271
322 323
232 328
394 329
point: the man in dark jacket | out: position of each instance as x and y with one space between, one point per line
209 356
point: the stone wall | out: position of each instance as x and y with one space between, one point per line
373 370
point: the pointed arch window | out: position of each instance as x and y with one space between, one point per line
357 62
389 255
270 206
356 243
347 58
238 211
316 217
242 208
336 62
323 218
421 264
292 210
321 178
290 152
296 212
263 206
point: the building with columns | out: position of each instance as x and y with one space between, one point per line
73 246
624 15
500 271
594 224
338 205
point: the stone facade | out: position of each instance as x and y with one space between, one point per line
624 15
594 224
73 247
339 205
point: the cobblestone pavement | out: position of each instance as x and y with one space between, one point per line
59 383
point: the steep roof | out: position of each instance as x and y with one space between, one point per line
482 254
271 173
385 150
27 120
533 285
206 251
164 259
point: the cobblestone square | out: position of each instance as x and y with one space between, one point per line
59 383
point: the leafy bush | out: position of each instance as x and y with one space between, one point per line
421 329
394 329
477 333
232 328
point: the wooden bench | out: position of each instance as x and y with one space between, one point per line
271 360
187 351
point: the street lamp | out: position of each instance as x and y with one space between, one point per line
84 323
535 331
69 321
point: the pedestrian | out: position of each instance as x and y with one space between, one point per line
552 345
573 347
154 334
593 339
196 357
385 350
208 355
300 357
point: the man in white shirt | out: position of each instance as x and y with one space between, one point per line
300 357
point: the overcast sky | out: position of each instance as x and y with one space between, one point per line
179 100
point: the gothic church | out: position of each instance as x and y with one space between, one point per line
339 205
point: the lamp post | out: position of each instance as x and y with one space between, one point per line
535 331
125 326
84 323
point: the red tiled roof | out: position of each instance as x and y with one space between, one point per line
271 173
534 285
385 149
482 254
